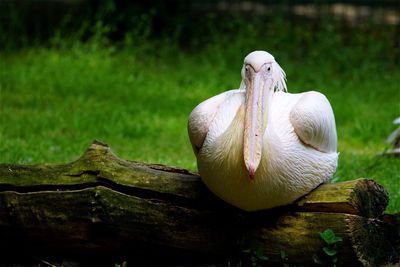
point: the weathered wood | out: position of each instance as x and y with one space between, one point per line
362 197
103 205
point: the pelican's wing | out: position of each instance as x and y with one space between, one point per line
201 117
314 123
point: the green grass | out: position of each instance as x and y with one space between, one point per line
55 101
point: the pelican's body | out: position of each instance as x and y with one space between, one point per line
295 152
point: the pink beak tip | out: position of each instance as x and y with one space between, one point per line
252 172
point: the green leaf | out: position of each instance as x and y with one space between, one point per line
329 251
338 239
329 237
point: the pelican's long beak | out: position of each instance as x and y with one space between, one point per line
258 89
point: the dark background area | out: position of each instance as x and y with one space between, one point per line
33 22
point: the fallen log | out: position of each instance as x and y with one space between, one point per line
102 206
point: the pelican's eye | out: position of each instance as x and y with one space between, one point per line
268 69
247 69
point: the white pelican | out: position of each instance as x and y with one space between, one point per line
259 147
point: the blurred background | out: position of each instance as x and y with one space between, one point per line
129 73
27 22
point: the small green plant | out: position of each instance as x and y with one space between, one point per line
257 257
329 254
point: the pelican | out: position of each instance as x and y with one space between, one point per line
259 147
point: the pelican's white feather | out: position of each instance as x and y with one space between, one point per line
299 144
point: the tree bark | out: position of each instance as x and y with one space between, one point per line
102 206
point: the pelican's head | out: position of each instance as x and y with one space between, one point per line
261 76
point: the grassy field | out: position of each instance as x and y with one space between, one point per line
54 100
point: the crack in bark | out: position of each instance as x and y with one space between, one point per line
143 193
89 172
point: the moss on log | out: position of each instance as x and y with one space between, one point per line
102 205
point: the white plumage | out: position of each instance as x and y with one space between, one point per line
259 147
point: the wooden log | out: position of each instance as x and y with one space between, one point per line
101 205
363 197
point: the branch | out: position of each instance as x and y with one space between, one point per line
102 205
